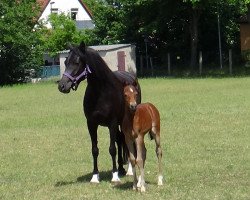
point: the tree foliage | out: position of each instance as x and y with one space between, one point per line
19 44
183 26
169 25
62 33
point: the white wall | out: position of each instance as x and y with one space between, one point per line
110 57
64 6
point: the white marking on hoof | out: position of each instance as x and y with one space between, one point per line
160 180
115 178
95 178
130 170
143 189
139 182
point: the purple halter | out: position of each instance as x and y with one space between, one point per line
83 74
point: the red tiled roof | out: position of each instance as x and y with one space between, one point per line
43 4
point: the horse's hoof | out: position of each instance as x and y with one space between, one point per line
95 178
160 180
121 172
115 178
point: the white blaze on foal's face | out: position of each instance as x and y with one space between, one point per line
130 96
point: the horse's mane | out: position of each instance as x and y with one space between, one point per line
99 66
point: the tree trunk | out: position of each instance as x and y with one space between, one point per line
194 19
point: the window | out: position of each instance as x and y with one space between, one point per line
54 10
74 12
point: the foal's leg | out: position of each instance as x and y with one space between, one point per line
95 151
112 150
159 156
140 160
132 157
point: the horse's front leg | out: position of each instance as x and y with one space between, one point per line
112 150
92 127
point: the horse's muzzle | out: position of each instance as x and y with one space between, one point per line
64 87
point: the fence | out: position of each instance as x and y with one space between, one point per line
49 71
178 63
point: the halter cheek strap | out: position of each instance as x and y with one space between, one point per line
83 74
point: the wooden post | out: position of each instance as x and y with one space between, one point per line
169 64
152 67
200 63
141 65
230 62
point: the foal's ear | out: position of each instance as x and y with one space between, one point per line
82 47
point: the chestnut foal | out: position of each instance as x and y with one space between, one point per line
138 121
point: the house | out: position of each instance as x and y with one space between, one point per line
77 10
118 57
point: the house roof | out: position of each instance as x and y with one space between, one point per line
105 47
44 3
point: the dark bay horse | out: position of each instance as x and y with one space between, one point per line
140 119
103 101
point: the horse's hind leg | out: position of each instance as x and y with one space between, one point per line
159 156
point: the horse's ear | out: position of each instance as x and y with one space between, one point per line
82 47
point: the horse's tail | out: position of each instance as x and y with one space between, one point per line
125 151
124 148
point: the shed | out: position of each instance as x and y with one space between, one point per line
244 22
118 57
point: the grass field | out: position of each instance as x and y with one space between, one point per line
46 151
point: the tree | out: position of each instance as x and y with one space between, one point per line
168 25
19 44
63 33
197 7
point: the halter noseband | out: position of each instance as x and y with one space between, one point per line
84 74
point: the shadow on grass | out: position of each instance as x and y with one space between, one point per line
104 176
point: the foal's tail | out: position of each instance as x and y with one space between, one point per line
150 135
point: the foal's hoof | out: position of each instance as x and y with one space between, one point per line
160 180
139 182
130 170
143 188
115 178
95 178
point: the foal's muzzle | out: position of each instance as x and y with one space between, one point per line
132 106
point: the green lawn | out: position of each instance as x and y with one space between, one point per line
46 150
